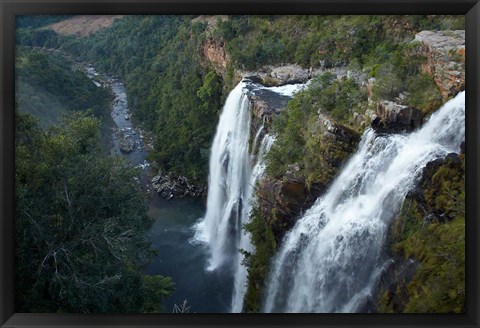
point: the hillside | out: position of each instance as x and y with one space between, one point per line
83 25
370 85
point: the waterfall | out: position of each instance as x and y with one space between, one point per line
230 171
331 259
240 277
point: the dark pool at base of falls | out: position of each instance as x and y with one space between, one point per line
183 260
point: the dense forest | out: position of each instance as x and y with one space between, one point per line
82 217
81 223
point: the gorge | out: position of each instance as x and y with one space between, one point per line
281 164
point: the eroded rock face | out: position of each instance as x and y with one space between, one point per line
336 131
281 202
214 51
289 74
445 52
393 117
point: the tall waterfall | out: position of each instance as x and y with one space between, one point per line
331 259
232 177
229 176
234 172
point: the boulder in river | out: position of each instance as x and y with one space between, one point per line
126 143
172 185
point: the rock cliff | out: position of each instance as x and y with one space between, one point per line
445 52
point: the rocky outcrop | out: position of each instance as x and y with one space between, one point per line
127 144
264 104
393 118
428 210
420 211
279 75
336 131
172 185
282 199
214 51
445 52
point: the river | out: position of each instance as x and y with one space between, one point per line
172 233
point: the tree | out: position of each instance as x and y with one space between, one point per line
81 224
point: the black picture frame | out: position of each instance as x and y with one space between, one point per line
10 8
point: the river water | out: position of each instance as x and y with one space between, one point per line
172 234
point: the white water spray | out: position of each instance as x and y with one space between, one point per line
240 278
230 172
331 259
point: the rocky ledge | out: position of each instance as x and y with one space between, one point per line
172 185
445 52
393 118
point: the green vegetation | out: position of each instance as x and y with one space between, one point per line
48 86
173 92
398 71
310 41
81 223
159 57
439 245
168 89
301 134
258 263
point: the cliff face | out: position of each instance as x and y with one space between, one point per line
445 53
427 242
282 199
214 52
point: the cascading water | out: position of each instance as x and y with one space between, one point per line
232 178
229 175
240 278
331 259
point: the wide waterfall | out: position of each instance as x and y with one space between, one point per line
331 259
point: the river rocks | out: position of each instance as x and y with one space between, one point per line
445 52
127 144
393 117
172 185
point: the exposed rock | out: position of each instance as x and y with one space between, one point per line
289 74
430 215
171 185
127 144
264 103
280 75
394 279
336 131
281 202
393 117
445 52
214 51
